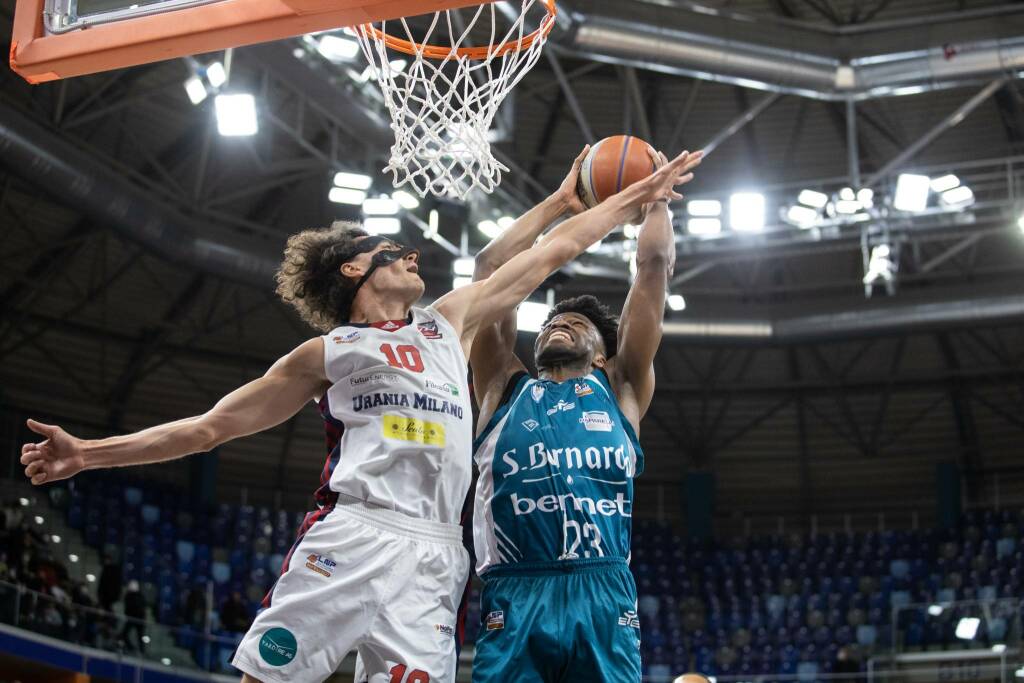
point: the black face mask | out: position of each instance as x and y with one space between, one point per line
380 259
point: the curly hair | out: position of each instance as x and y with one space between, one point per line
606 322
310 276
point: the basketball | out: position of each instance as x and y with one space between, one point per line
612 165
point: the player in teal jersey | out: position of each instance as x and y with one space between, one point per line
557 455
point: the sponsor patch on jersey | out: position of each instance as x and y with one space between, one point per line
584 389
429 330
445 630
596 421
495 621
413 429
347 338
538 392
530 425
561 407
321 564
630 619
375 378
278 647
446 387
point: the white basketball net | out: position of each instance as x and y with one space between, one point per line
442 106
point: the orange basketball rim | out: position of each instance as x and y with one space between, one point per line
38 56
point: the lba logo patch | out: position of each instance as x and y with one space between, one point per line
584 390
347 338
495 621
429 330
596 421
320 564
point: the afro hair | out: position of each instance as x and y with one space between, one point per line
606 322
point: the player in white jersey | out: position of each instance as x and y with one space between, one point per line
379 567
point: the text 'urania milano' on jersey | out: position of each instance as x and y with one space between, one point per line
557 463
397 416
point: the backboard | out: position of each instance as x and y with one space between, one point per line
55 39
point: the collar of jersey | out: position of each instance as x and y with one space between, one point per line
386 325
584 378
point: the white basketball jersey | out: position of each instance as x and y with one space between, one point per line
398 417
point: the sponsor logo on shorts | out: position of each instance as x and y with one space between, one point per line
561 407
537 392
630 619
374 378
530 425
495 621
584 390
596 421
347 338
321 564
413 429
445 630
429 330
278 647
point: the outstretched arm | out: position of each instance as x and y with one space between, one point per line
260 404
640 327
493 357
487 301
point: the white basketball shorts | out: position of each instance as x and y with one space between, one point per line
373 580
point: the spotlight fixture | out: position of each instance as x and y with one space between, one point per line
195 89
405 200
464 266
490 229
935 610
216 75
943 183
345 195
505 222
958 196
746 212
380 206
676 302
704 227
802 216
531 316
912 192
382 225
337 49
704 207
813 198
356 181
967 628
236 115
461 281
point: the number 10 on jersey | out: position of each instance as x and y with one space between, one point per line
406 357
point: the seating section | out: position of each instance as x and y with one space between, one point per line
752 606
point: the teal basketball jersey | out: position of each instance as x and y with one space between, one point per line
556 462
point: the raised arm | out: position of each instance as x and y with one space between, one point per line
640 327
487 301
261 404
493 357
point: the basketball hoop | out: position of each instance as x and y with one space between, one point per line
443 103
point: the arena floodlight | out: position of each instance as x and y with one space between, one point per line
382 225
23 502
91 578
813 198
195 90
999 648
336 48
216 74
505 222
1019 673
236 115
802 216
531 316
490 229
345 195
630 231
936 610
464 266
944 183
846 194
967 628
704 227
356 181
380 206
166 661
848 207
55 538
461 281
73 558
405 200
38 519
708 208
958 196
433 223
880 265
866 197
677 302
912 192
746 212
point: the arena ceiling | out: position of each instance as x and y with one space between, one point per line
107 328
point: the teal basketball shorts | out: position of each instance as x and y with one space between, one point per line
558 622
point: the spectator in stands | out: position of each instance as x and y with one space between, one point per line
194 610
234 615
83 623
135 611
110 584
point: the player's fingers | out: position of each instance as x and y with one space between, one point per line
34 468
682 180
40 428
31 456
29 448
39 479
583 155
